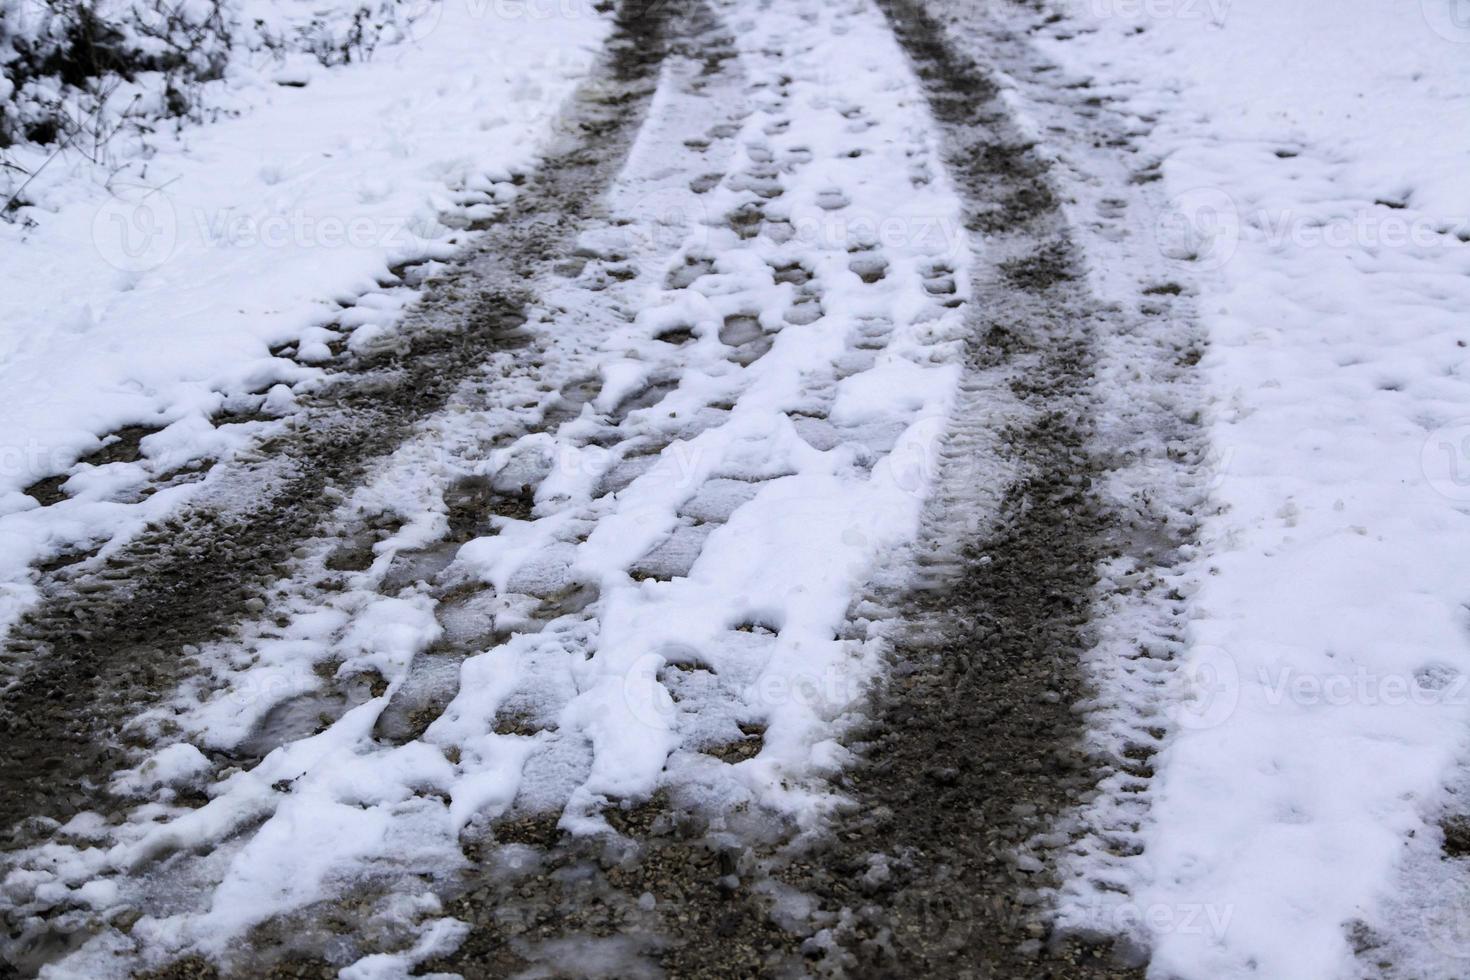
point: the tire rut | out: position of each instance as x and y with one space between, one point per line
108 641
976 717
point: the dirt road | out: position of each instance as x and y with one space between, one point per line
925 831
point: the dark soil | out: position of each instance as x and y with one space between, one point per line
667 891
1456 831
122 446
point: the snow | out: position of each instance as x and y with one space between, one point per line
724 431
151 292
441 936
1313 192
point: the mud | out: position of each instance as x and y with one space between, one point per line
670 895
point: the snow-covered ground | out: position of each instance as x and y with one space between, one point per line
150 289
1314 192
628 558
727 424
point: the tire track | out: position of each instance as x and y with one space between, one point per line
110 640
545 233
976 719
974 754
